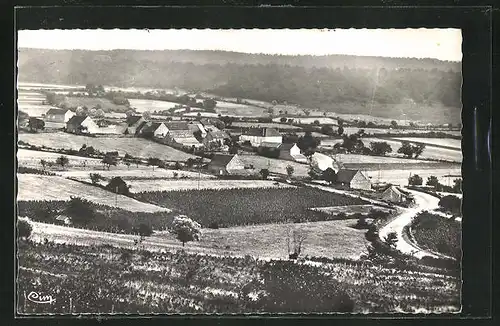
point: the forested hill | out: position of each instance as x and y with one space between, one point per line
311 81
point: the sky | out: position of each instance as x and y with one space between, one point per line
443 44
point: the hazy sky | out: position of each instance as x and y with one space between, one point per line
444 44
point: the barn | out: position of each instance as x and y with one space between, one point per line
353 179
82 124
222 164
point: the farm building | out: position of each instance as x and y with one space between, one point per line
321 162
22 119
58 115
133 123
197 127
222 164
177 125
216 137
291 152
182 137
395 195
256 136
153 129
353 179
63 219
82 124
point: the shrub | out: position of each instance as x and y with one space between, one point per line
143 230
213 225
117 185
23 229
185 229
451 203
80 211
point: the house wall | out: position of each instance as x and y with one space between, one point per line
360 182
235 165
161 131
68 115
257 140
392 196
55 118
92 127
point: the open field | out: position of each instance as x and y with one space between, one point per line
38 187
274 165
437 234
351 209
243 110
310 120
382 160
35 86
264 125
34 110
134 173
26 157
400 177
448 142
148 282
232 207
176 185
151 105
91 102
369 131
430 151
134 146
202 114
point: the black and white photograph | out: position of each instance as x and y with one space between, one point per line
239 171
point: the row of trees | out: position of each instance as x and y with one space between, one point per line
433 181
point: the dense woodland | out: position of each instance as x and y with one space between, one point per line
346 84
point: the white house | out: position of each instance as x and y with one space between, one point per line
82 125
133 123
222 164
321 162
153 129
256 136
291 152
58 115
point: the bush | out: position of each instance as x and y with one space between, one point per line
117 185
23 229
80 211
213 225
451 203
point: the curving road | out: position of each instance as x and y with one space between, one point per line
422 202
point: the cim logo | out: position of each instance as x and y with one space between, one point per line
38 298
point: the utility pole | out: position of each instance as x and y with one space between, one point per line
116 196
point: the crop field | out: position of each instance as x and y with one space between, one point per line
448 142
274 165
400 177
437 234
39 187
151 105
232 207
130 281
310 120
202 114
264 125
33 110
176 185
349 210
134 146
35 86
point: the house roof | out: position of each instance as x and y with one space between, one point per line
132 120
394 190
270 145
262 132
346 175
286 146
77 120
181 134
221 159
57 111
177 125
218 134
152 127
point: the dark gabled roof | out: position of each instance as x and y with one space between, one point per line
132 120
217 134
262 132
57 111
346 175
151 127
177 125
141 127
181 133
221 159
270 145
286 146
76 120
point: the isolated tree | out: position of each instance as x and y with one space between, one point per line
62 161
95 178
433 181
117 185
289 170
283 120
80 211
23 229
391 239
35 124
109 159
146 115
185 229
264 173
457 185
415 180
394 124
295 240
209 104
380 148
307 143
340 130
409 150
418 149
144 230
43 163
329 175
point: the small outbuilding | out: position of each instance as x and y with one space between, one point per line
223 164
353 179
